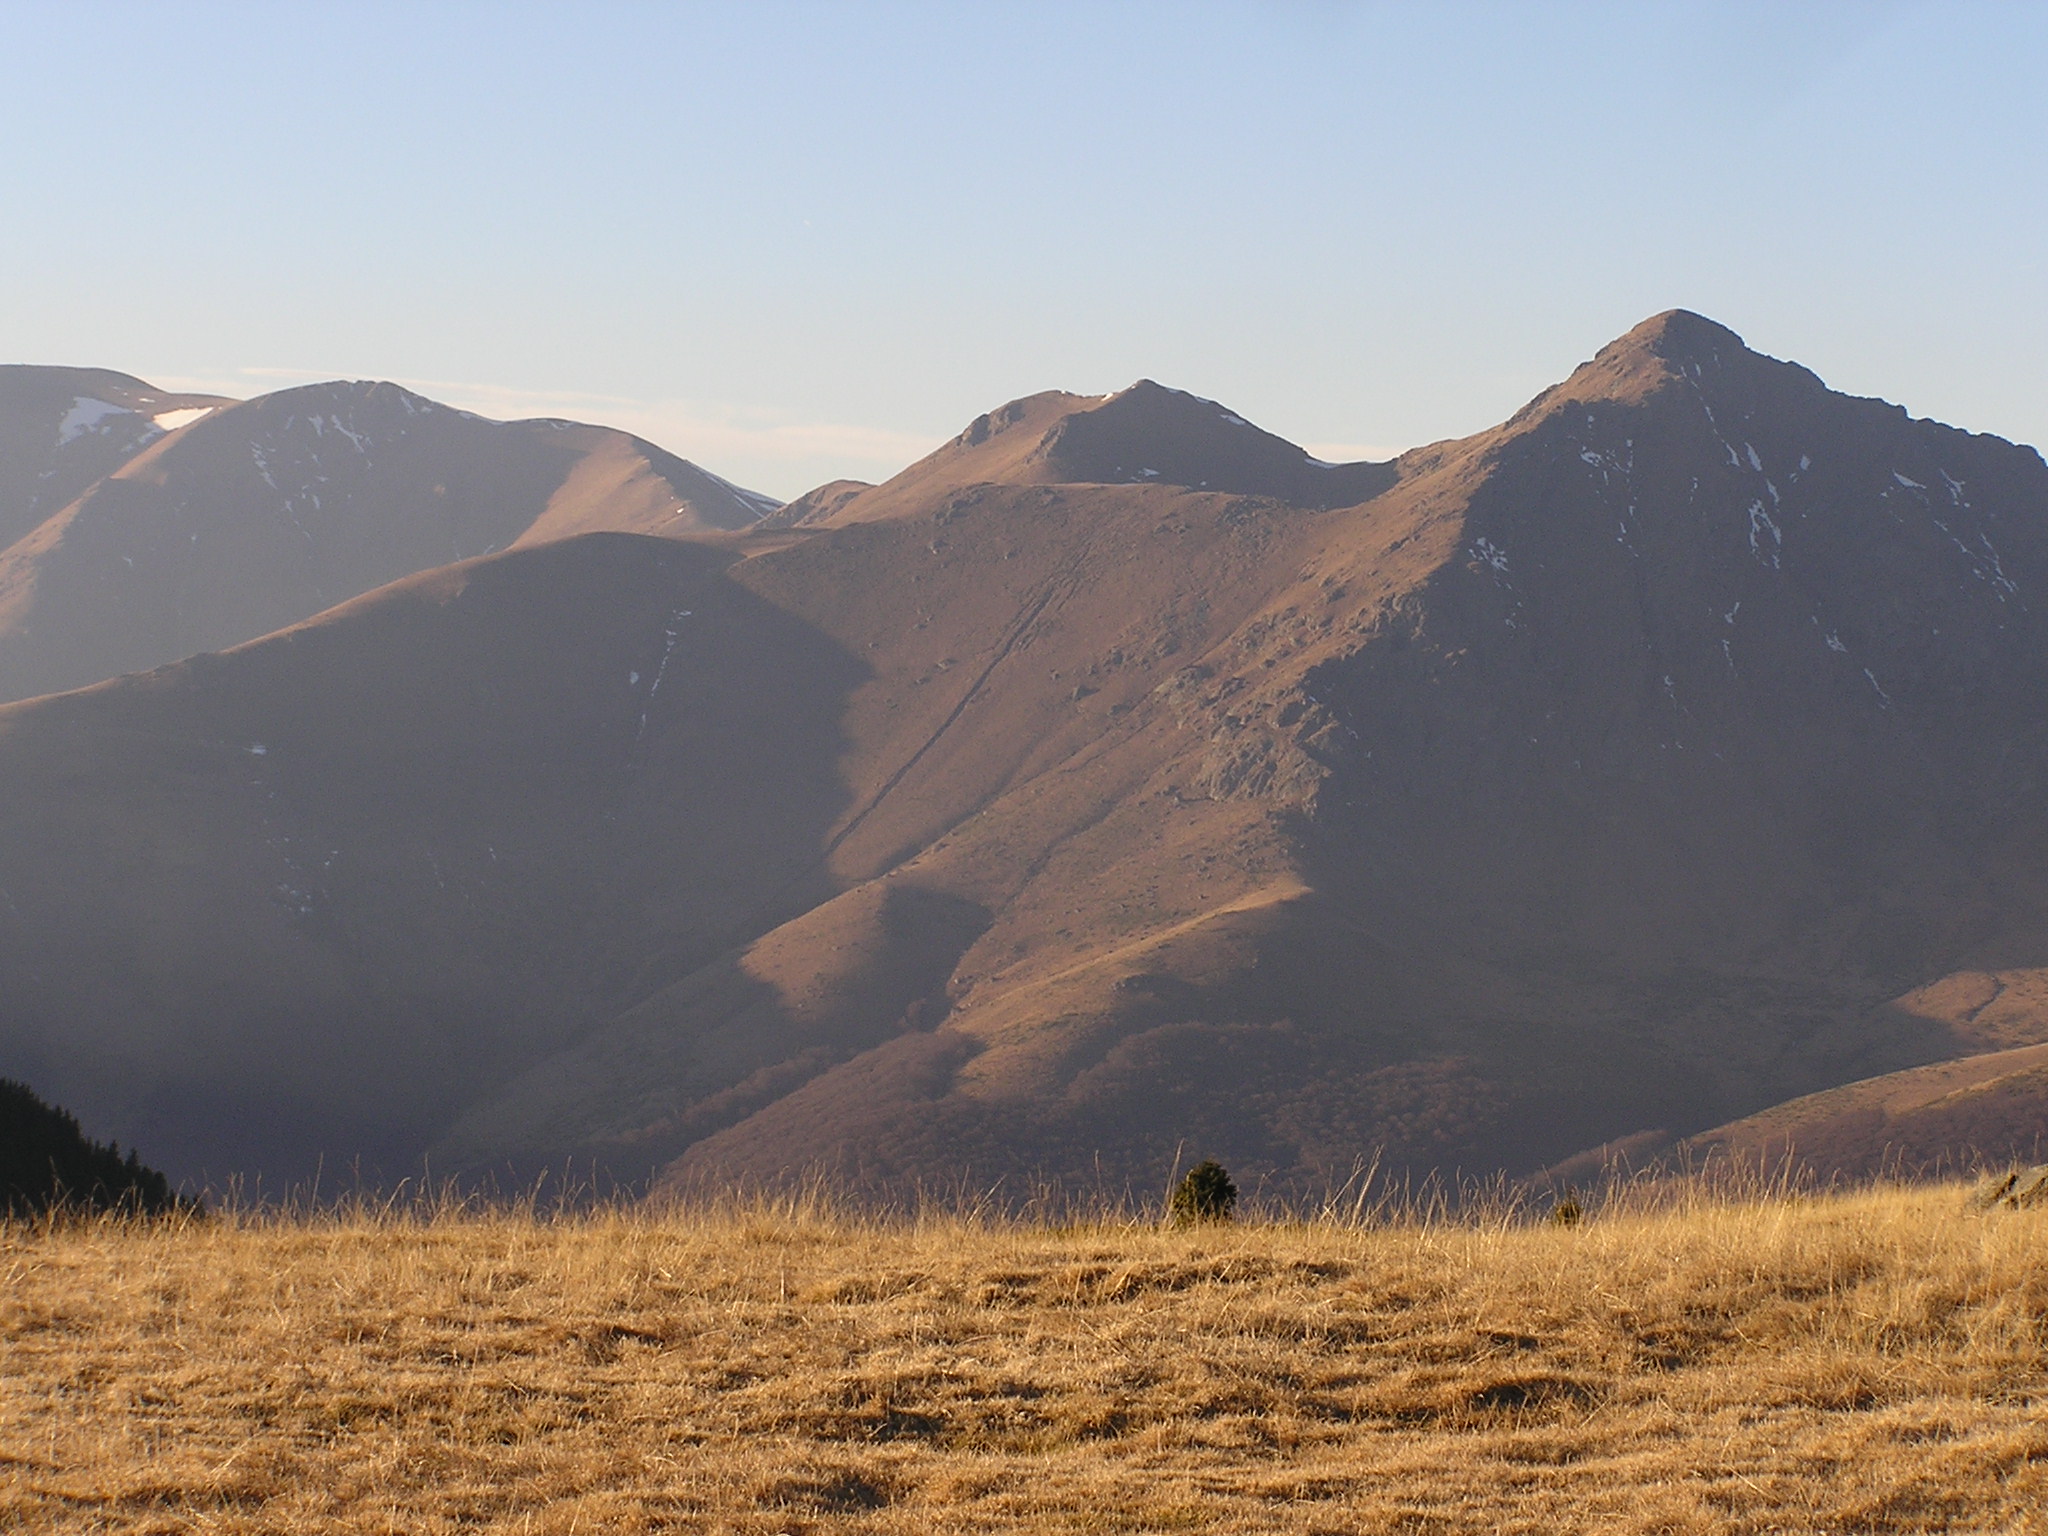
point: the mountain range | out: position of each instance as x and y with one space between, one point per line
143 528
1118 782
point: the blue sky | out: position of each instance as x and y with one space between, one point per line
797 241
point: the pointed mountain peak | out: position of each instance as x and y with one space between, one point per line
1671 345
1161 394
1679 335
1677 345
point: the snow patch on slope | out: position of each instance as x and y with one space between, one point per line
87 415
170 421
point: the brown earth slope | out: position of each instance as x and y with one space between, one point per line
1613 769
140 548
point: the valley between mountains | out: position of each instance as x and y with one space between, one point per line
1116 784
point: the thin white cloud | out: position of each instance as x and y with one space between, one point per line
778 454
758 448
1348 453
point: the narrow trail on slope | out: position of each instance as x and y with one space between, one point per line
776 909
1060 580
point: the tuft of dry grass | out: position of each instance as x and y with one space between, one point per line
1850 1363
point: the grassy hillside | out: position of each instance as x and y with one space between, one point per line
1869 1362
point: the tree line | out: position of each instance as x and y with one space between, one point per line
47 1163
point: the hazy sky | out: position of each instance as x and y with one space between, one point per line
799 241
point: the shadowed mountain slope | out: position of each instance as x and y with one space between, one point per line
1621 768
314 894
260 514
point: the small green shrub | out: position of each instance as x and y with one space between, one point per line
1204 1194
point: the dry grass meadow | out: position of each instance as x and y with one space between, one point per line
1860 1362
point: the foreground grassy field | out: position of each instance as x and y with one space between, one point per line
1873 1362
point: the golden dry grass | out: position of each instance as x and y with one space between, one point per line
1865 1362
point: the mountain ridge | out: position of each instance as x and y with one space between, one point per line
260 513
1146 433
1620 767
